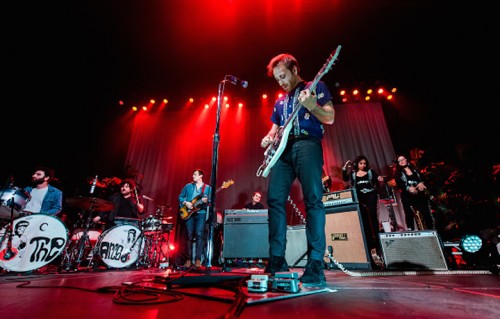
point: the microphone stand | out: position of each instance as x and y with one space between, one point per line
213 178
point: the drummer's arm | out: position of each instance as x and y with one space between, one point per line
99 217
140 208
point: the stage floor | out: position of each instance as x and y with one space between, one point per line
218 293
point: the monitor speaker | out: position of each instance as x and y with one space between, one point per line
344 233
418 250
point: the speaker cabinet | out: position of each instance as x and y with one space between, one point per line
344 232
246 241
296 246
418 250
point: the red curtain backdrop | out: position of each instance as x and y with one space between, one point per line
166 147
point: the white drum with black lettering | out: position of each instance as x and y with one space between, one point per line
120 246
36 241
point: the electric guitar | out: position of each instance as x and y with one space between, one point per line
197 202
277 146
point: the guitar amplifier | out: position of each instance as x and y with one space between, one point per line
418 250
344 232
245 234
340 198
245 216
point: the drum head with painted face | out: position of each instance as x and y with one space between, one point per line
120 246
37 240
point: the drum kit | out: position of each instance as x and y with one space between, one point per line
130 242
31 241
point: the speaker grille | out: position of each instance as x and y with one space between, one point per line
413 250
296 246
344 232
246 241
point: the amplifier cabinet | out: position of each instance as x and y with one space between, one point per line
344 232
246 234
418 250
245 216
296 246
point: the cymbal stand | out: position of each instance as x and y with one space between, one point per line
8 253
83 243
158 257
144 258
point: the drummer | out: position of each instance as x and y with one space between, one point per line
45 198
126 204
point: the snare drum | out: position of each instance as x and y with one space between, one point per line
151 224
120 246
15 198
37 240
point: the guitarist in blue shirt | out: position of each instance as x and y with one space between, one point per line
193 200
302 159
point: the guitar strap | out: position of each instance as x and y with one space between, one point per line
292 103
202 191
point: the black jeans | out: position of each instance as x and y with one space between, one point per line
195 227
302 160
368 203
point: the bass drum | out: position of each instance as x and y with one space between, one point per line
120 246
37 240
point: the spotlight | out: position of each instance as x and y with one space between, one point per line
471 243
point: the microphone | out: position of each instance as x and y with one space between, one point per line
94 182
234 80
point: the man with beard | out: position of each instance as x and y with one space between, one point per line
45 198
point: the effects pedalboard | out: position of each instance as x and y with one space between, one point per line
280 282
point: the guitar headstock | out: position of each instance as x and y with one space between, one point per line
326 67
331 60
227 183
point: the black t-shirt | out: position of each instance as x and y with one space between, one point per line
256 206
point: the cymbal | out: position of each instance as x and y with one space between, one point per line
86 203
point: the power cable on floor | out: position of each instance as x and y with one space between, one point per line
401 273
132 294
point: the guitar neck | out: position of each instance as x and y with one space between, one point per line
312 86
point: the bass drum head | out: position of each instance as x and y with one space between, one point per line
120 246
37 240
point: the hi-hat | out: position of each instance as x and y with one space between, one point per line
87 203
